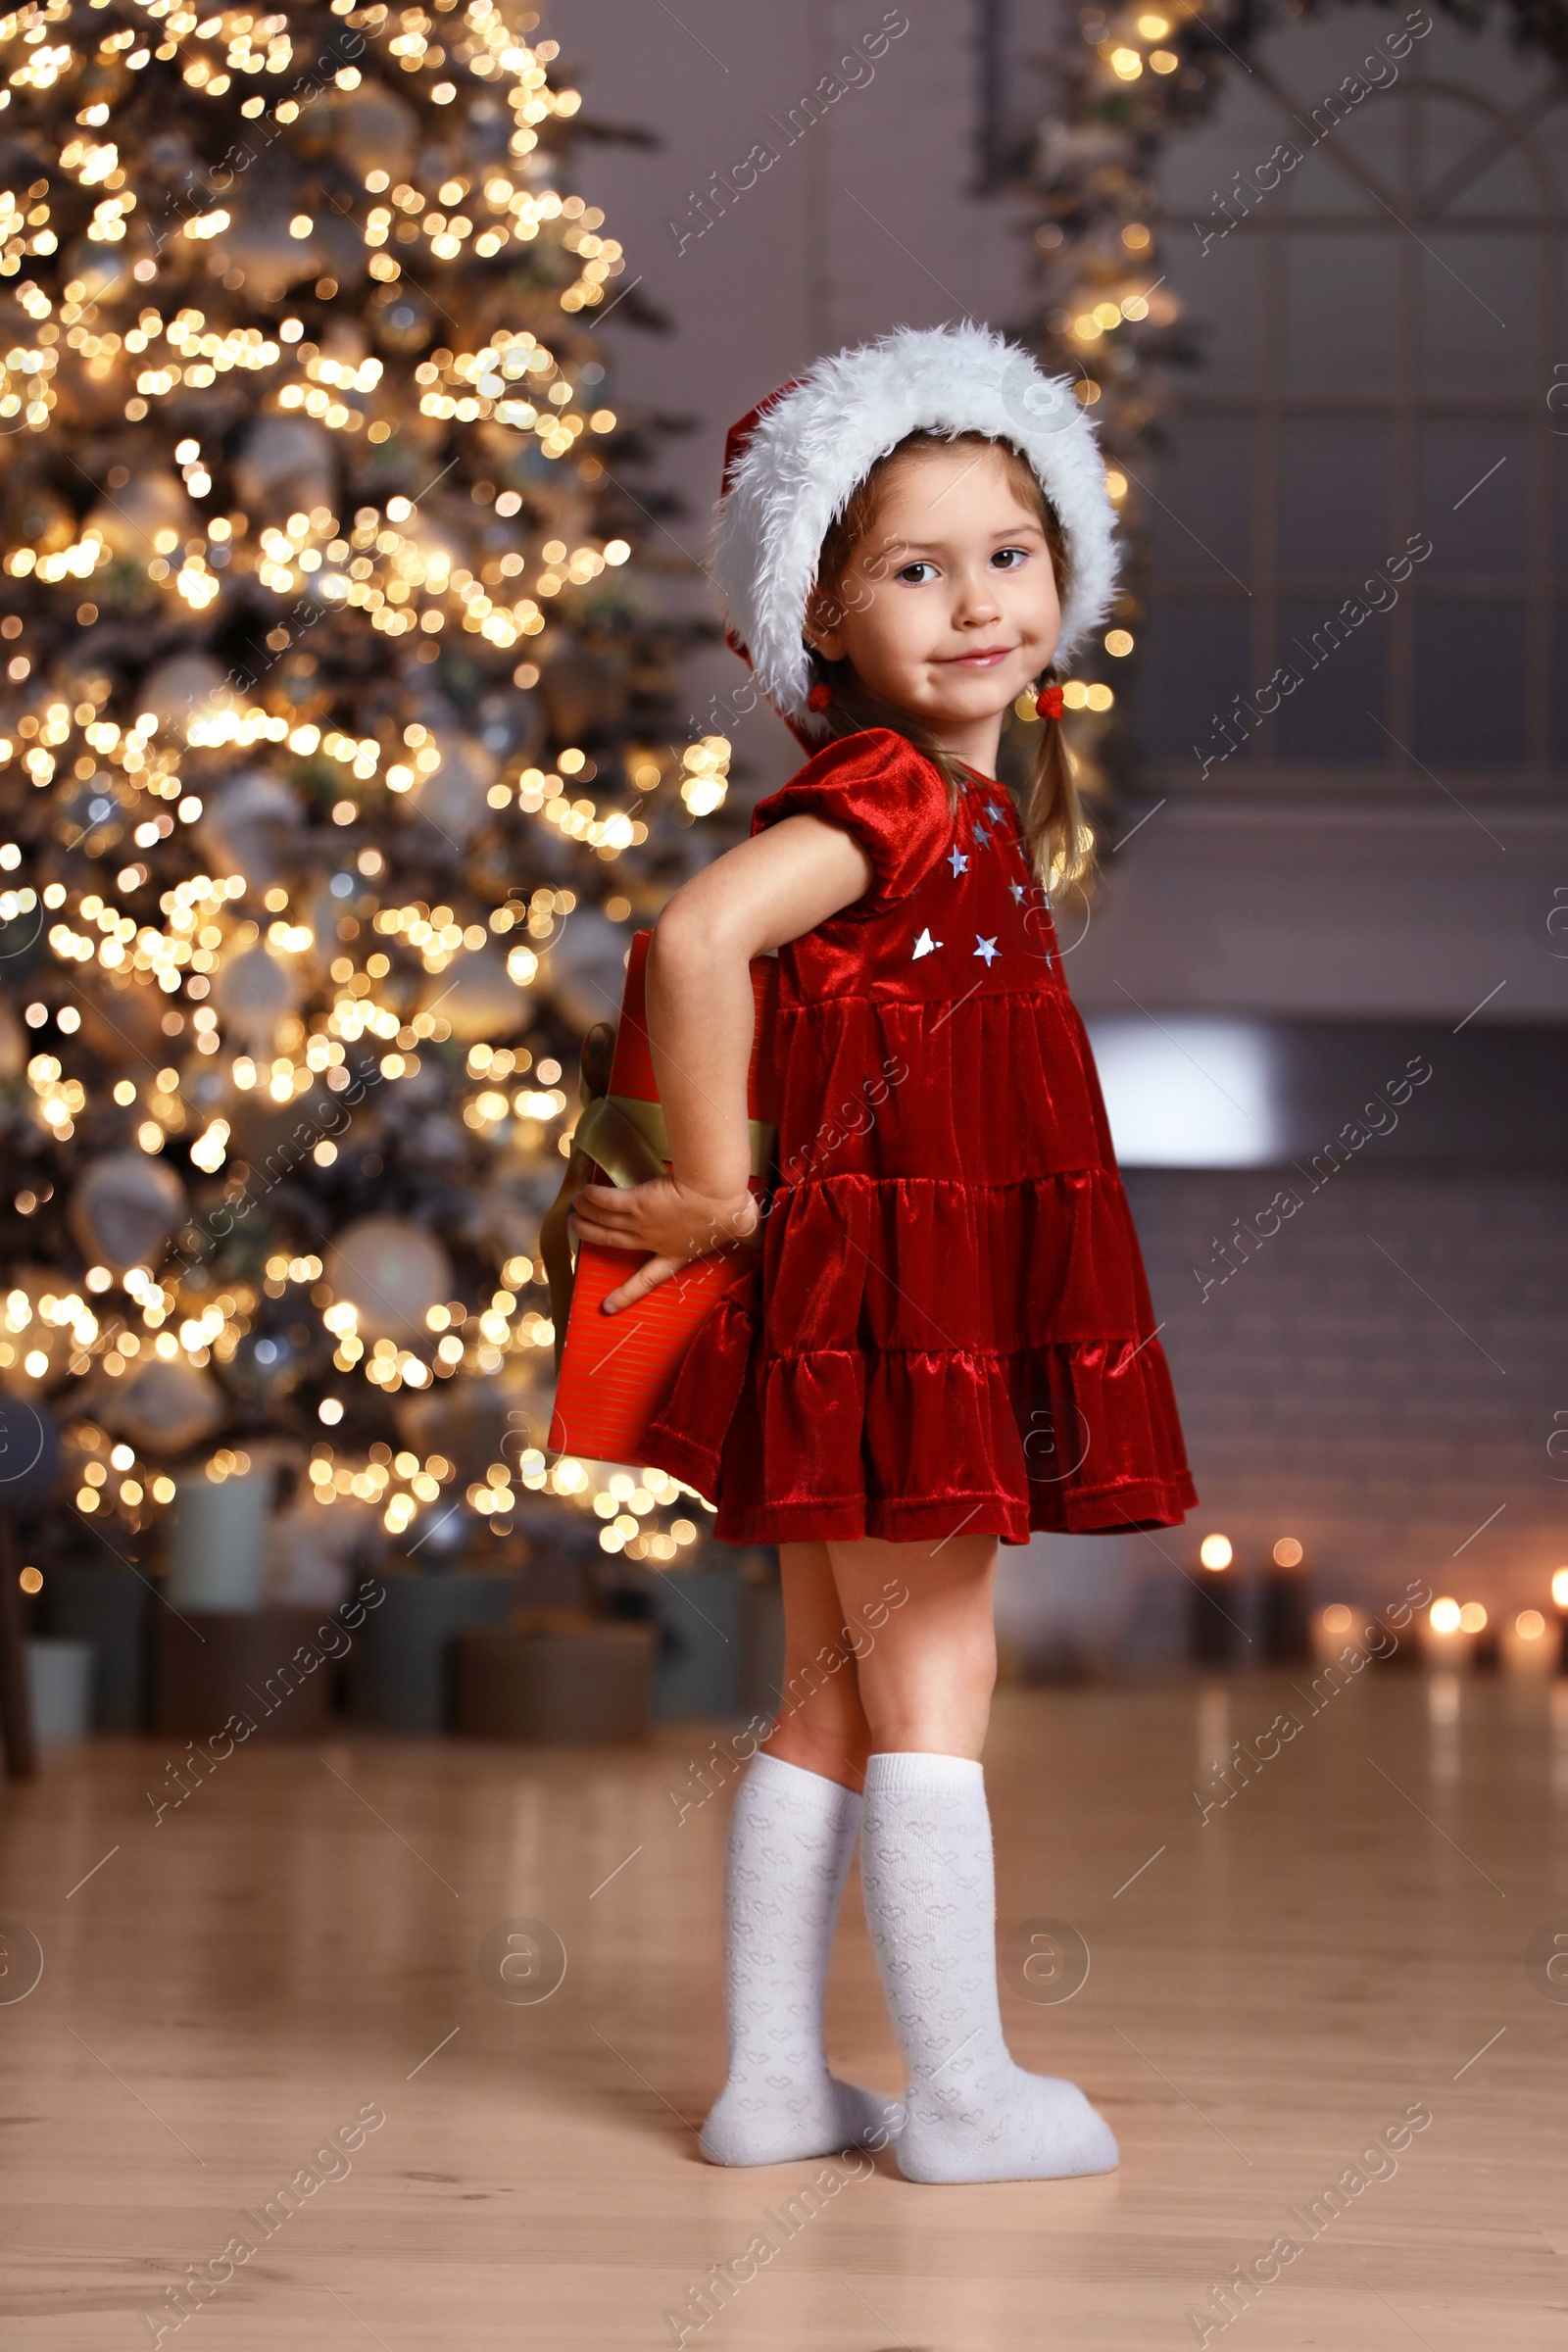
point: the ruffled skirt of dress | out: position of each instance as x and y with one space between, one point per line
915 1357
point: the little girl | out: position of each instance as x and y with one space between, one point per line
947 1339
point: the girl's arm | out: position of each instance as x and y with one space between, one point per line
767 891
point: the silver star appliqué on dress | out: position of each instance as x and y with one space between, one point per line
1017 889
983 946
958 861
924 946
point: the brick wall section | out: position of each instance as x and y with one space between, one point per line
1324 1396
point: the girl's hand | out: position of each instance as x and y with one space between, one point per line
664 1218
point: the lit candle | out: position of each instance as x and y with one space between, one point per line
1286 1636
1527 1646
1475 1621
1212 1624
1330 1631
1449 1632
1559 1597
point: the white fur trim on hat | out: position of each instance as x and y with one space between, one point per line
814 443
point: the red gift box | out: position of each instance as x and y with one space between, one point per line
616 1371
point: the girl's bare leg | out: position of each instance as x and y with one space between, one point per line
920 1617
925 1682
791 1836
821 1724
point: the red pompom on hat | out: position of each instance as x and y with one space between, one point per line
791 464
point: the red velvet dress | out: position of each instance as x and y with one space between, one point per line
949 1327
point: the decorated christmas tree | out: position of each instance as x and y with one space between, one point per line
335 765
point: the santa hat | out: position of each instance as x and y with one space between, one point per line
791 465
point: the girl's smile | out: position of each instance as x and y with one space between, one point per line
949 607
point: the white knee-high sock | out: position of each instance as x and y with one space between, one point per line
930 1896
790 1840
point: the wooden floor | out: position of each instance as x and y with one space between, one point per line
297 1945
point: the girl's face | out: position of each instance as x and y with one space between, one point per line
949 607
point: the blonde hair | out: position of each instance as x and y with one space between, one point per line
1057 835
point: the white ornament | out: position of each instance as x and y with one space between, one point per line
375 130
186 686
163 1407
453 798
478 1000
124 1208
150 502
254 991
286 462
251 827
393 1271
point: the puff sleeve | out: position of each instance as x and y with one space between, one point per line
888 795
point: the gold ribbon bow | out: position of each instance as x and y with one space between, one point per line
629 1141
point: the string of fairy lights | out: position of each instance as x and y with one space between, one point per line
272 466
